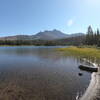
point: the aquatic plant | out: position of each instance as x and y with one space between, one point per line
83 52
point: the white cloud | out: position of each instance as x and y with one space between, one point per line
70 22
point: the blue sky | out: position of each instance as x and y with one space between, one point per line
32 16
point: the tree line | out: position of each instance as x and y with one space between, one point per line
92 37
67 41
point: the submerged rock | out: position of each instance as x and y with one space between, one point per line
80 74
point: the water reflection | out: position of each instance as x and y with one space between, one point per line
39 73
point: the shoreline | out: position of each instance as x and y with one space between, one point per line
89 53
93 90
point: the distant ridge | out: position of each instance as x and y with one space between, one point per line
46 35
50 35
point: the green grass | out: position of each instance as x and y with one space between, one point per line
84 52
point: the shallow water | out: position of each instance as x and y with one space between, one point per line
39 73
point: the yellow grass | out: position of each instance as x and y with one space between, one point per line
86 52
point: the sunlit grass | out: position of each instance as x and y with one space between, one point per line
85 52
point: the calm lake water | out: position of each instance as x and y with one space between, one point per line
39 73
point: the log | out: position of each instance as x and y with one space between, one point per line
88 68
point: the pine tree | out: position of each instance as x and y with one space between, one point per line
89 36
98 37
92 38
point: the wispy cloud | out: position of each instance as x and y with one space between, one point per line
70 22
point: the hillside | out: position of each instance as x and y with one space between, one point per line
46 35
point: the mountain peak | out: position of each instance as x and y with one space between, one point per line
50 35
56 30
46 35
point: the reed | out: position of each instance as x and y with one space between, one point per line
86 52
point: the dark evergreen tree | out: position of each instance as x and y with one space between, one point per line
89 36
92 38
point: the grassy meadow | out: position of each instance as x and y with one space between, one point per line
92 53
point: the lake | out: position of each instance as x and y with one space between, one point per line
40 73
